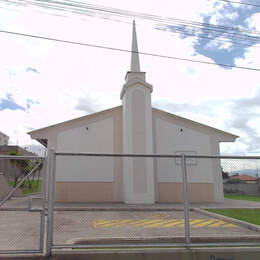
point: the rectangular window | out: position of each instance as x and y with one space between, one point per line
189 161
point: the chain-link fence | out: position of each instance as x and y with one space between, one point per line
224 214
92 210
22 179
91 201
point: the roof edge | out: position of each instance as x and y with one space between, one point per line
196 123
71 120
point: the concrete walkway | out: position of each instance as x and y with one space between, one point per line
22 203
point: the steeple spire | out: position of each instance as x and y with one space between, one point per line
135 64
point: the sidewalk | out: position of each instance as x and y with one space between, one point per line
22 203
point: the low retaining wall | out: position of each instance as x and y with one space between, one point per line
242 188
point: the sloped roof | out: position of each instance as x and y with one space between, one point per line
200 125
76 119
108 111
244 177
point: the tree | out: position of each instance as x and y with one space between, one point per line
224 174
24 167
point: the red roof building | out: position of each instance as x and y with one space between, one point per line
244 178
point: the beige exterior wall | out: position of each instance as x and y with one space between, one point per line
92 121
84 191
198 192
104 192
173 135
204 185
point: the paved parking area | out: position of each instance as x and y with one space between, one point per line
96 222
20 229
73 225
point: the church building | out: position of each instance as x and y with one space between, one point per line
135 127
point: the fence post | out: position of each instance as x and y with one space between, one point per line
185 198
51 199
44 172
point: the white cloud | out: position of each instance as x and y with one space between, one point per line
254 21
74 80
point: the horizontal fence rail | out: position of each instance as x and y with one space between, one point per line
15 157
156 155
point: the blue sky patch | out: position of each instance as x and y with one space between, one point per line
30 102
9 103
30 69
238 44
232 45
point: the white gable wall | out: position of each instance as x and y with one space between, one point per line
173 136
171 140
94 137
87 179
82 178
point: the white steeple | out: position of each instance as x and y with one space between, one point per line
138 173
135 64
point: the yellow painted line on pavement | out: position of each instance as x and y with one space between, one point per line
205 223
139 223
217 224
124 222
195 221
175 223
160 223
230 225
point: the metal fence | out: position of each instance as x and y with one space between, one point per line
182 222
22 178
185 184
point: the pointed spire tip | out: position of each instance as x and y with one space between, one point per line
135 64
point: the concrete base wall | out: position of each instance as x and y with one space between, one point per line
84 191
242 188
198 192
104 192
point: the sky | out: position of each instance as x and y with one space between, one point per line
45 82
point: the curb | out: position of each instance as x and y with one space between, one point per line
241 223
160 240
94 209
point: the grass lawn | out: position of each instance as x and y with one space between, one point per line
248 215
27 190
242 197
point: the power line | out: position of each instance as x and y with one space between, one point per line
125 50
193 33
223 34
205 36
81 7
125 13
240 3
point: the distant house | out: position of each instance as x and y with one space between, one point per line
245 178
6 167
3 139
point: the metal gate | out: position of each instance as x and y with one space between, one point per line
22 207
